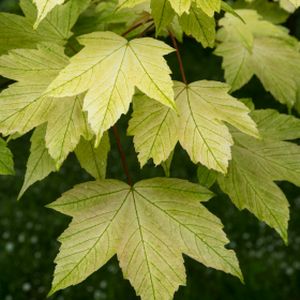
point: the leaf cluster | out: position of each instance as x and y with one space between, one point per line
77 66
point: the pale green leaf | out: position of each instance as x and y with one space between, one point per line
59 22
39 65
6 159
181 6
229 9
256 164
263 28
162 13
235 29
209 6
270 11
17 31
39 164
44 7
273 61
236 63
155 130
277 126
21 112
94 160
67 123
148 226
22 105
199 25
272 55
253 24
254 190
107 67
204 107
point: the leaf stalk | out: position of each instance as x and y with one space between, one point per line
175 44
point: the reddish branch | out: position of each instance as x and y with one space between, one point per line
135 26
178 57
122 155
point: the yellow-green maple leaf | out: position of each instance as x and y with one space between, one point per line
149 227
258 47
17 31
256 164
24 106
203 109
199 25
109 68
154 128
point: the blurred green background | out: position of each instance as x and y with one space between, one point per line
28 230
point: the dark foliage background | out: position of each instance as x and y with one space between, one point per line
28 230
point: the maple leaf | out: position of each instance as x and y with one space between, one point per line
199 25
257 47
148 226
270 11
162 13
29 66
18 32
24 105
107 69
256 164
155 129
22 108
203 109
